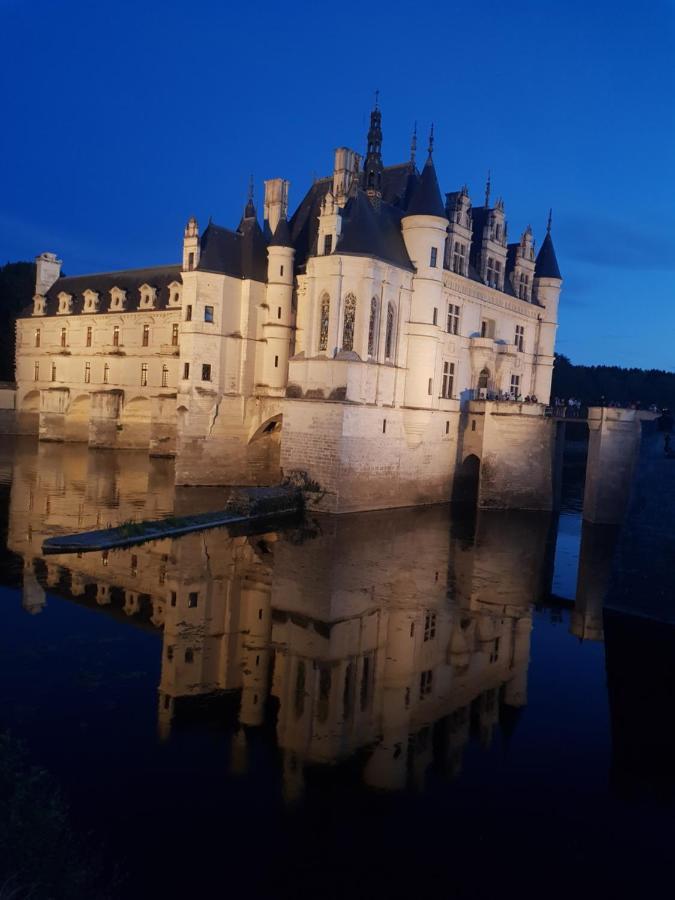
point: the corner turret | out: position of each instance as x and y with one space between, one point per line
547 285
191 245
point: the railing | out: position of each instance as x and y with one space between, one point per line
567 412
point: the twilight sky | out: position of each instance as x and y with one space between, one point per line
122 119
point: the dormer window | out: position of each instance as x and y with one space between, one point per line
458 258
148 295
174 293
90 301
65 304
38 305
117 298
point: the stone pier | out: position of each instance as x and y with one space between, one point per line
613 447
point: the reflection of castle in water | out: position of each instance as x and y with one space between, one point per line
388 633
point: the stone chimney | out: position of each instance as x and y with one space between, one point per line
345 172
276 202
47 271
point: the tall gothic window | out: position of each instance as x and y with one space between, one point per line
372 328
348 327
323 322
389 337
483 378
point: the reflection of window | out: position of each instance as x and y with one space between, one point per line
116 335
365 683
389 336
448 380
36 372
324 693
189 655
426 679
37 337
323 322
430 626
372 328
174 334
144 375
300 689
193 599
87 373
53 371
106 373
349 320
165 376
146 335
64 337
89 330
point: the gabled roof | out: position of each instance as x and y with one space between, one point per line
372 231
240 254
426 197
546 265
128 280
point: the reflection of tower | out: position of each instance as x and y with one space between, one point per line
595 567
256 625
33 597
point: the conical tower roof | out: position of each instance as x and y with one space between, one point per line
282 235
546 265
426 198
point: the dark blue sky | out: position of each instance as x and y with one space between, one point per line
122 119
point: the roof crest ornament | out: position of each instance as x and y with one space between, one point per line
377 99
431 140
488 186
413 145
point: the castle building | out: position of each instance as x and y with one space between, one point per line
381 340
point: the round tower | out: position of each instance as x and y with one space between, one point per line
424 228
547 285
278 327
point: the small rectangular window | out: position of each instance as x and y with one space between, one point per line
53 371
144 375
165 376
430 626
193 599
191 261
448 380
515 386
189 655
435 317
434 257
430 389
447 427
208 314
106 373
281 270
116 335
186 370
327 243
384 426
64 337
278 312
134 564
146 335
519 340
206 372
87 373
188 313
37 337
174 598
276 362
453 319
89 332
36 372
174 334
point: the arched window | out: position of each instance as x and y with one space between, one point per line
372 327
389 337
323 322
348 327
483 378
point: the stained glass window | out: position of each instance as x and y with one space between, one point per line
372 328
348 328
323 324
389 338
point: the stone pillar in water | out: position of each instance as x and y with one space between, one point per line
613 446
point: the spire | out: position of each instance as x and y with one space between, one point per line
546 265
550 220
426 197
249 212
431 140
488 187
372 166
413 146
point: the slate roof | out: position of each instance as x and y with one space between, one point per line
129 280
426 197
546 265
240 254
369 230
282 235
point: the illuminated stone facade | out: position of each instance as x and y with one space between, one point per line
359 342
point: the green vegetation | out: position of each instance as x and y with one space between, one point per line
17 285
591 383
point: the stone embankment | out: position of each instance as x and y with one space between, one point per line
247 509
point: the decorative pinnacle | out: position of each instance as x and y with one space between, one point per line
550 220
431 140
250 188
413 145
488 186
377 99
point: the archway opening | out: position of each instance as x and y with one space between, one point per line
77 419
467 482
135 422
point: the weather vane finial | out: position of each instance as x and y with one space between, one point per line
250 187
413 145
431 140
488 186
377 99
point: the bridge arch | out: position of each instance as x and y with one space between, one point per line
467 481
135 424
28 414
268 428
77 419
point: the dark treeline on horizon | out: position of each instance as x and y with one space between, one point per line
586 383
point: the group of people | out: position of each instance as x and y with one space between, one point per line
511 397
570 407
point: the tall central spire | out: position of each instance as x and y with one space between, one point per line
372 165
